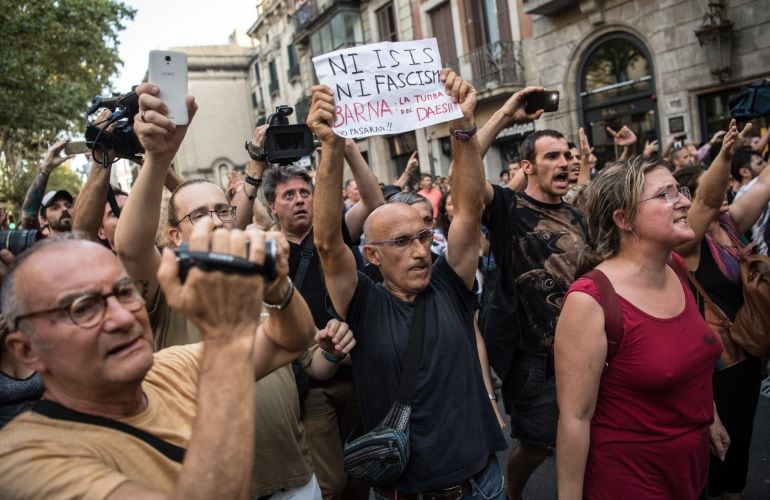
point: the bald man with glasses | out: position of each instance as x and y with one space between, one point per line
454 433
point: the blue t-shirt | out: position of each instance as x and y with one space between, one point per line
453 428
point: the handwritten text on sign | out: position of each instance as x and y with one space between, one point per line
386 88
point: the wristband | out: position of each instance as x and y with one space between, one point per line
286 298
331 358
253 181
464 135
492 396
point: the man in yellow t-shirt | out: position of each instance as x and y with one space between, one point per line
85 330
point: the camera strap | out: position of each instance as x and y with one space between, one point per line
112 201
307 249
52 409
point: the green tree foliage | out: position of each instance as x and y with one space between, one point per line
56 55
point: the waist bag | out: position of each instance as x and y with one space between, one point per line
379 457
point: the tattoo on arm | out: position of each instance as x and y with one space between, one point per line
33 200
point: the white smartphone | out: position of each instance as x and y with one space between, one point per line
168 70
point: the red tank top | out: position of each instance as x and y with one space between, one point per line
649 433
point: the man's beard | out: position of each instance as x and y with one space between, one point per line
63 224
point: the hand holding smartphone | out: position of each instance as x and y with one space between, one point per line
168 70
76 148
546 100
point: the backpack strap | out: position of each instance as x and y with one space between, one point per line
613 316
52 409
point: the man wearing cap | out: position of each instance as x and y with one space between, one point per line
56 212
35 209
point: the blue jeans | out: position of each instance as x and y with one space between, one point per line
490 486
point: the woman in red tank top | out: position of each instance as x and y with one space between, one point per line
640 428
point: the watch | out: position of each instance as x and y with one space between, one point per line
463 135
257 153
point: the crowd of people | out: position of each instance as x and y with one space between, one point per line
569 288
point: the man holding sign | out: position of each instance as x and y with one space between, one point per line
454 433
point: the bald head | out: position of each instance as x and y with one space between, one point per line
384 219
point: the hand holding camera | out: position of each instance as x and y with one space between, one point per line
222 289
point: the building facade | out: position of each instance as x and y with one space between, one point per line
615 62
639 63
218 77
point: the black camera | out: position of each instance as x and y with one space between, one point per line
284 143
122 139
213 261
18 240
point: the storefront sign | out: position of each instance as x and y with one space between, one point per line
517 130
386 88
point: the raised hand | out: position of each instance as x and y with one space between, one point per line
336 338
462 93
513 109
624 137
413 163
53 157
216 301
157 133
320 119
650 148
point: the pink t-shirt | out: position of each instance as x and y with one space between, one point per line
649 433
434 195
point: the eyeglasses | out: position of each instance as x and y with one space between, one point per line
671 194
225 214
425 237
429 221
88 310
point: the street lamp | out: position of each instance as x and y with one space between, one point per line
715 34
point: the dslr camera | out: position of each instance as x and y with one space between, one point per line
18 240
284 143
214 261
122 139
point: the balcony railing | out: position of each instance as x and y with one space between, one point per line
492 65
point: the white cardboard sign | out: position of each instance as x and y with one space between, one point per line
386 88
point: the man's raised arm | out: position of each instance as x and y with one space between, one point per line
224 306
34 197
510 112
467 183
337 261
138 225
368 188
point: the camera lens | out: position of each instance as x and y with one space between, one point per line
168 58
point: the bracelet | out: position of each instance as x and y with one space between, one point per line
286 298
253 181
331 358
492 396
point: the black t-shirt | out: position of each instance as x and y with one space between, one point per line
536 247
453 428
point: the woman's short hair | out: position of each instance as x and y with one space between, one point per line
618 187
